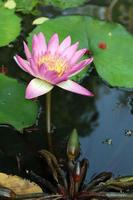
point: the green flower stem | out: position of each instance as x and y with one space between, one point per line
48 120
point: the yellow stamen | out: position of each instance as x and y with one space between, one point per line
54 63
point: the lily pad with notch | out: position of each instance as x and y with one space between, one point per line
14 108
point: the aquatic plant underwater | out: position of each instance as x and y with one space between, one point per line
67 182
53 61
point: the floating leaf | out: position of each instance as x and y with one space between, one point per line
110 43
40 20
18 185
25 6
1 3
10 4
113 63
14 108
64 26
9 26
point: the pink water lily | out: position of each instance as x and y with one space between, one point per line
53 64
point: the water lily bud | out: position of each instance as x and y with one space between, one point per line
73 146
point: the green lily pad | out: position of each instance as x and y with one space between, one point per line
14 108
1 3
25 6
9 26
64 26
111 44
112 47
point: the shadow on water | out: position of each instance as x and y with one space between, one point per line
106 117
114 119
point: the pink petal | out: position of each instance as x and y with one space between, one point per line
68 53
35 47
38 45
47 75
37 87
77 56
34 67
27 51
74 87
53 44
60 79
23 64
78 67
42 69
65 44
42 42
50 76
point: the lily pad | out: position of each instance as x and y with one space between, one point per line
14 108
64 26
9 26
112 47
111 44
25 6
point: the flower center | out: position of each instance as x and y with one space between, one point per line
54 63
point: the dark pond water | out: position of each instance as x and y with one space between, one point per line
104 124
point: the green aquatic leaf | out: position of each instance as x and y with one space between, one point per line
113 63
64 3
14 108
25 6
1 3
64 26
9 26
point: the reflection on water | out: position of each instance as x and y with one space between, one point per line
114 118
106 116
116 10
120 11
